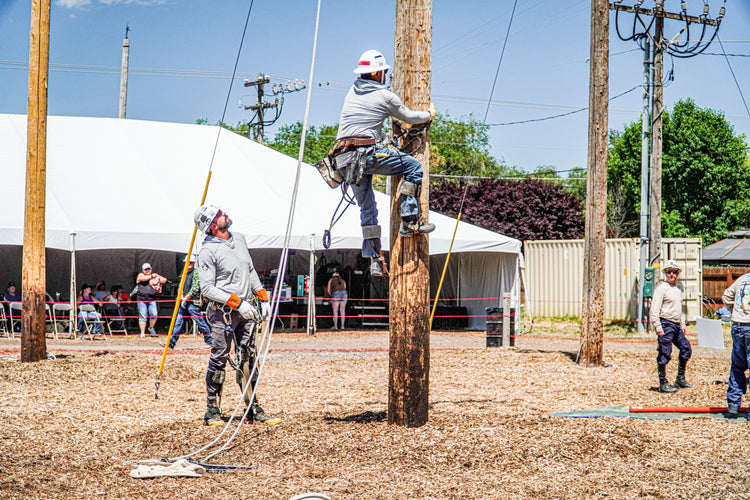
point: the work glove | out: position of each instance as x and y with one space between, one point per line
433 112
265 310
246 310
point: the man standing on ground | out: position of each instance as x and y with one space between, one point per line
190 307
666 318
229 282
737 299
361 144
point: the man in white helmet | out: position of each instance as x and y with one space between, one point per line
666 318
229 282
360 142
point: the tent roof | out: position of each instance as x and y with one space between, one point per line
135 184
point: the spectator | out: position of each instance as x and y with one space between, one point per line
337 291
149 284
190 306
112 307
10 294
86 297
100 291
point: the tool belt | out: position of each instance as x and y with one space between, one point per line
350 143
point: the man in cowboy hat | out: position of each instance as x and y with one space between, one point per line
666 318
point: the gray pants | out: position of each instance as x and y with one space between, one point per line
240 331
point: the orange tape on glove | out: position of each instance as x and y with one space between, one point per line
262 295
234 301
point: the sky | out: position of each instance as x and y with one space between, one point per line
182 54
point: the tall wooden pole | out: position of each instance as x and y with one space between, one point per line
33 342
656 149
124 75
592 314
409 367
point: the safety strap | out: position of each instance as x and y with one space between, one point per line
344 144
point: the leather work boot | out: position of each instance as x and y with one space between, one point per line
213 416
410 228
257 414
680 381
665 387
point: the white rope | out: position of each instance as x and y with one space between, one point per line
265 341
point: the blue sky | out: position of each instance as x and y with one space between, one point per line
183 51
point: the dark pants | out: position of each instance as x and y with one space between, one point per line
241 332
672 335
740 360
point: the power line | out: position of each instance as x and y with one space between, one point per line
735 77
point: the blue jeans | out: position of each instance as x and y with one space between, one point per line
189 310
395 163
89 315
740 363
147 310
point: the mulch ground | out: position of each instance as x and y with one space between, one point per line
72 427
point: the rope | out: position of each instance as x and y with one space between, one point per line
473 160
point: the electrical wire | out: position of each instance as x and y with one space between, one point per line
739 89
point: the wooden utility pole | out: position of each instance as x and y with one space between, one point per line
592 314
654 228
33 341
409 362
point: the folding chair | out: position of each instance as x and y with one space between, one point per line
4 322
15 306
90 323
48 319
60 317
114 319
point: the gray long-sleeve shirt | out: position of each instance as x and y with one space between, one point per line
225 267
737 298
367 105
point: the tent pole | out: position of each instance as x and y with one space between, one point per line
73 287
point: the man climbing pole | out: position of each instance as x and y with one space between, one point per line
229 282
360 151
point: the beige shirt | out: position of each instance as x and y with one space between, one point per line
667 304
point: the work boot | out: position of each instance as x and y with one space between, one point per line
213 416
257 414
663 384
417 226
377 266
680 381
209 341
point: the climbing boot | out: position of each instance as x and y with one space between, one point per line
257 414
377 266
663 384
680 381
415 226
213 416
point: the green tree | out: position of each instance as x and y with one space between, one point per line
241 127
705 176
318 140
456 145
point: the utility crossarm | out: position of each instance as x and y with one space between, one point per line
664 13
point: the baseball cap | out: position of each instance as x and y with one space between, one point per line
11 283
146 266
336 274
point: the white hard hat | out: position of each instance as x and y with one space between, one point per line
672 264
371 61
204 216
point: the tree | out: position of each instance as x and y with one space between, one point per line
318 140
527 210
241 128
457 145
705 170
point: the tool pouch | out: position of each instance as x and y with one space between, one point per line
328 171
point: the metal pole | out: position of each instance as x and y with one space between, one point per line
72 327
645 139
311 294
124 75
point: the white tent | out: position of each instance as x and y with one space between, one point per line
130 184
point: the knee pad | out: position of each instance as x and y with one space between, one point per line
371 232
410 189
